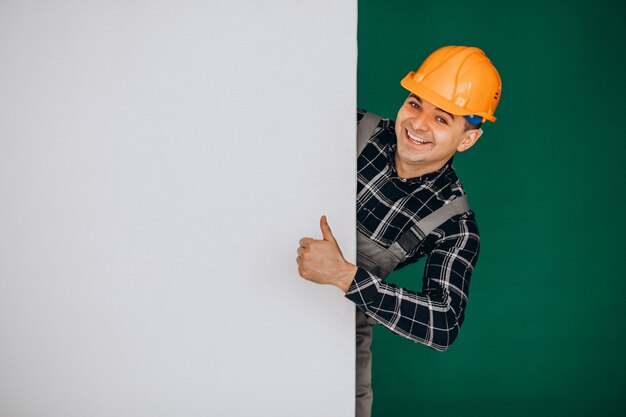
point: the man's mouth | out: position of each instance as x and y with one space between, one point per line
416 139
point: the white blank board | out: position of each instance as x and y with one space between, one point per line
159 162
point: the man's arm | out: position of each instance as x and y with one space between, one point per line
434 315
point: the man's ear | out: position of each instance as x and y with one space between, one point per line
470 137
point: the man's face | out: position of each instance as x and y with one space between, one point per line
428 137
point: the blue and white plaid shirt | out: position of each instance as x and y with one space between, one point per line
387 206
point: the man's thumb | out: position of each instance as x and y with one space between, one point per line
327 234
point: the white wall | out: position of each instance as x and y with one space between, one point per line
159 161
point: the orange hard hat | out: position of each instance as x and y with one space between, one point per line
458 79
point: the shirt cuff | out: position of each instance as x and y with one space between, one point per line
363 288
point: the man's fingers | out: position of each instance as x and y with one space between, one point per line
327 234
304 242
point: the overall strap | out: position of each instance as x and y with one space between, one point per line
365 130
414 236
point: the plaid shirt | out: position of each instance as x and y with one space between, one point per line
387 206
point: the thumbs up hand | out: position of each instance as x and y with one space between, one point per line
322 262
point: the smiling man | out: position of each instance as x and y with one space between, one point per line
421 148
410 204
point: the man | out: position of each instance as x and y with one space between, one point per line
411 204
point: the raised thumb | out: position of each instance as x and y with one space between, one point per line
327 234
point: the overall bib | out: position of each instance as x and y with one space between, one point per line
381 261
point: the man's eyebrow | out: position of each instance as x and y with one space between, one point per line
419 100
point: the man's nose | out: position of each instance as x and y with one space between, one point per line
420 121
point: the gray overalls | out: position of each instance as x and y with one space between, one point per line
381 262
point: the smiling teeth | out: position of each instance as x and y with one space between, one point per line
415 138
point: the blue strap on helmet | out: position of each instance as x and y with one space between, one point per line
475 120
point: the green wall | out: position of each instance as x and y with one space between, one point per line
544 333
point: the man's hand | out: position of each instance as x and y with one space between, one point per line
322 262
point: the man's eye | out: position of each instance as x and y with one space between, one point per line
442 120
414 105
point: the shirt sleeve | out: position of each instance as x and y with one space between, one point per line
434 315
